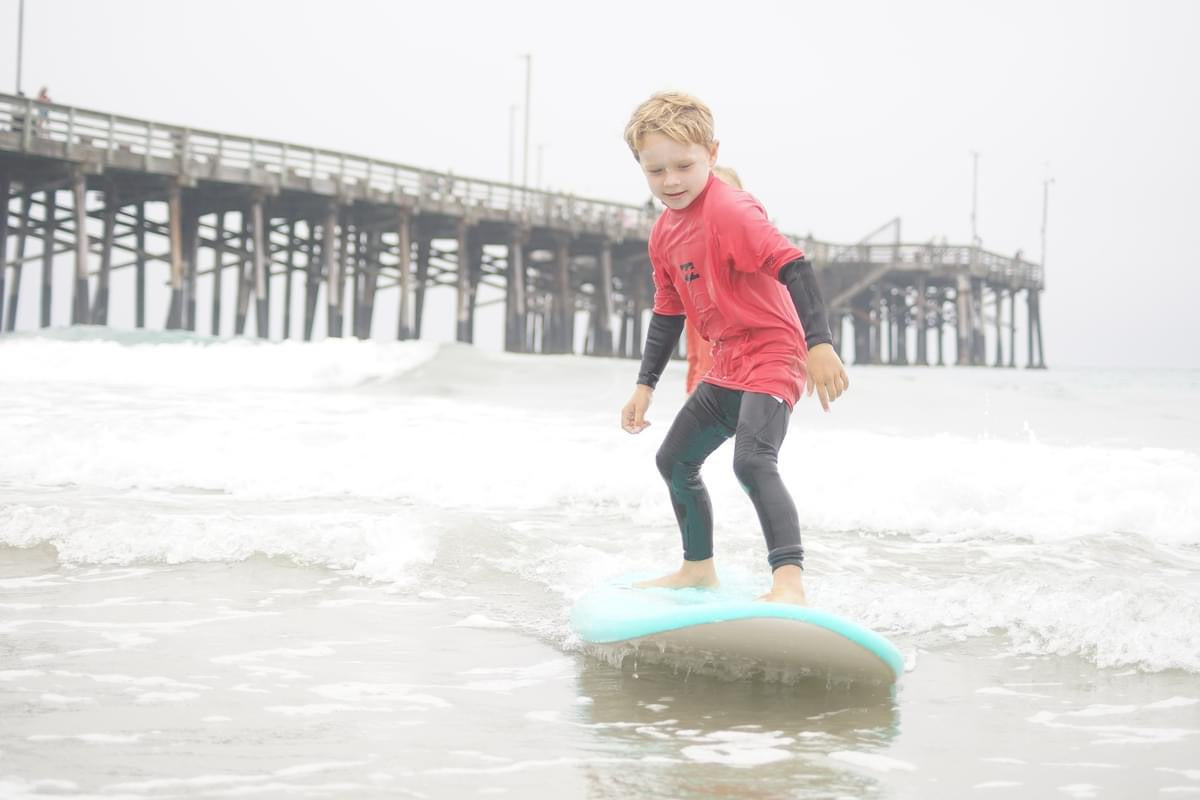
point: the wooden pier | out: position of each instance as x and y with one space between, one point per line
304 242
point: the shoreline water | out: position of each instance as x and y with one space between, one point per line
230 568
231 678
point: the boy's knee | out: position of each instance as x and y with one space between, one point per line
666 461
751 467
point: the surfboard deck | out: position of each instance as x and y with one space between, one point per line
726 625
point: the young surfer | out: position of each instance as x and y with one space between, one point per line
717 260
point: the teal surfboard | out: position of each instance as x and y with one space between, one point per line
727 626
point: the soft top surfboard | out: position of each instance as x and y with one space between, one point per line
728 625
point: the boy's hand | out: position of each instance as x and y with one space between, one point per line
826 374
633 415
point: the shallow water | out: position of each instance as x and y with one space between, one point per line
346 569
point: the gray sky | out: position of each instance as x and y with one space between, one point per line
839 116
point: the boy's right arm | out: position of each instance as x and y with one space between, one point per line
666 324
661 337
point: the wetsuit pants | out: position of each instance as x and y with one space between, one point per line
758 423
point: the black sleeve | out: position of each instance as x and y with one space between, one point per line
801 283
660 342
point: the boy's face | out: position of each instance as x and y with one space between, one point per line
676 172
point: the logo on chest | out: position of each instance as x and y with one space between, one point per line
689 272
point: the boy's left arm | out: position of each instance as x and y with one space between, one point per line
826 373
753 244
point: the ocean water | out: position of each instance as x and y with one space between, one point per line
345 569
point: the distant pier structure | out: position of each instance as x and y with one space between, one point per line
289 241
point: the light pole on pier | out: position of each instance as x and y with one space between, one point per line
512 144
20 41
525 160
1045 208
974 197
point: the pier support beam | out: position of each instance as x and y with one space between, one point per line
462 274
922 322
940 323
245 276
345 262
14 289
370 282
887 325
641 278
1012 328
355 272
562 323
218 267
191 257
49 223
81 297
5 189
999 293
175 226
962 296
900 310
475 262
535 326
878 311
312 279
333 272
139 238
860 320
602 338
514 295
1036 356
978 338
112 205
288 267
623 336
404 252
424 251
261 259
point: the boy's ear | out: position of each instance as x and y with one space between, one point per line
712 153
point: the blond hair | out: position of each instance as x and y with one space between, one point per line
676 115
728 175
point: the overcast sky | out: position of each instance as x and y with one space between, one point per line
839 116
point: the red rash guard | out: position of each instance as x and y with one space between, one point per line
717 262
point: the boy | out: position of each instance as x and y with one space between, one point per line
718 260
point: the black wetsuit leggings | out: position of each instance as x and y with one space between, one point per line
758 423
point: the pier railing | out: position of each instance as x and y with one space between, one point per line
50 129
78 134
933 258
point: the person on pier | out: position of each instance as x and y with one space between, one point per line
43 114
717 260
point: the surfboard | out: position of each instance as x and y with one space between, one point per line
727 627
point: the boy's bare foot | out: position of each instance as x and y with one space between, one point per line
776 596
693 574
787 586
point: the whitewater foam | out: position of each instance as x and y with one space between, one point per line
417 464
